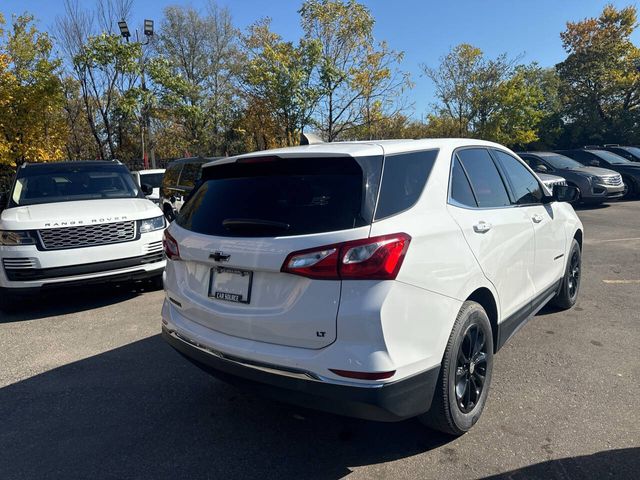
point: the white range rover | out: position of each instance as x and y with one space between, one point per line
371 279
74 223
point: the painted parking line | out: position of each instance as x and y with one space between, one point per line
621 282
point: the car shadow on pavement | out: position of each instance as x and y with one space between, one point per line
590 206
68 300
621 463
142 411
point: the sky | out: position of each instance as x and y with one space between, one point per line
424 30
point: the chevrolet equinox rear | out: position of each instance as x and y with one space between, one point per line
370 279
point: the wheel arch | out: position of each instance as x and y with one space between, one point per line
578 237
486 299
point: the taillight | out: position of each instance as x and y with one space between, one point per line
375 258
170 245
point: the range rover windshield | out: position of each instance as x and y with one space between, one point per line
271 196
65 182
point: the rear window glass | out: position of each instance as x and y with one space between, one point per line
403 179
460 189
277 197
486 182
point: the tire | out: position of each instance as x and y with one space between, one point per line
568 293
450 412
632 189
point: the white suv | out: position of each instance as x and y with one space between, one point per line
372 279
73 223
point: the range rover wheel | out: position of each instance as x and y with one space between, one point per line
568 294
465 374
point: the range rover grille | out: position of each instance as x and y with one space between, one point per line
87 235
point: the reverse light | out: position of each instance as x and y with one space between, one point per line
171 250
14 238
375 258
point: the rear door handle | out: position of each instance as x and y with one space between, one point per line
537 218
482 227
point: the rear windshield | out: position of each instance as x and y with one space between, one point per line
63 183
270 196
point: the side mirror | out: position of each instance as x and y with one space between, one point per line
542 169
565 193
146 189
594 163
3 200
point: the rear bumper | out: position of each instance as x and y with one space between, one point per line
385 402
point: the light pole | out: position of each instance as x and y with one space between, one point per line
146 119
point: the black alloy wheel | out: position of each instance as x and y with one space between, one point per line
573 277
471 368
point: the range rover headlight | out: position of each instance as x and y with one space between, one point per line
152 224
11 238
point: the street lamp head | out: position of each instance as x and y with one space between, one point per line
148 27
124 29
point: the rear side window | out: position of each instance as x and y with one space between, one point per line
524 185
460 188
270 196
190 174
403 179
170 178
485 180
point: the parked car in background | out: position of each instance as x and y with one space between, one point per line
629 152
372 279
152 178
179 179
630 171
596 185
75 223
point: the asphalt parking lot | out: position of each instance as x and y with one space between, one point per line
89 390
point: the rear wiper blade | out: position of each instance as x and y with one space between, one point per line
243 223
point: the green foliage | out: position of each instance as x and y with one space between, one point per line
599 80
32 126
493 99
279 75
357 80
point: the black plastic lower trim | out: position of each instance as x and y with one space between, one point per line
517 320
23 275
388 403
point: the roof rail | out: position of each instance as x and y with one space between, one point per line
611 145
310 139
587 147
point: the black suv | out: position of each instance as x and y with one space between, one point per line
630 171
596 185
178 182
628 152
